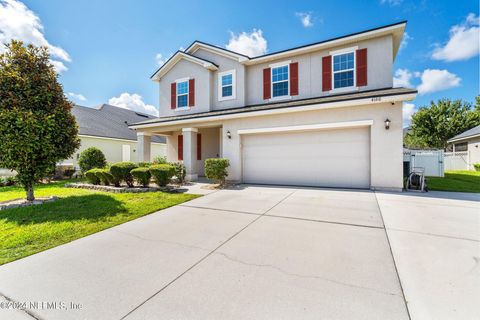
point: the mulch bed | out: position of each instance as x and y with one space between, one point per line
121 189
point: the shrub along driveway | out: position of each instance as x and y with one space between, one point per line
252 252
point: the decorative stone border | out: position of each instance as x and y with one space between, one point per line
113 189
17 203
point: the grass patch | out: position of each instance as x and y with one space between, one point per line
78 213
459 181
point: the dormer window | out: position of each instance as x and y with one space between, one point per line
343 70
182 94
226 85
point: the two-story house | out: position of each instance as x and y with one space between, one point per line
323 114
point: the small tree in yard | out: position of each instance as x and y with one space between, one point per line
91 158
37 129
216 169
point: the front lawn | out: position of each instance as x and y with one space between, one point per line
459 181
28 230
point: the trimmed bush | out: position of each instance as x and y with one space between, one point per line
179 171
92 176
216 169
160 160
162 174
142 176
91 158
121 172
105 176
10 181
144 164
477 166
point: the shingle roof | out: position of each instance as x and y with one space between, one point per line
110 122
288 104
472 132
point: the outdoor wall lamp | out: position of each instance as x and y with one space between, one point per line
387 124
229 135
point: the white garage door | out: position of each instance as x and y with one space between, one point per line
327 158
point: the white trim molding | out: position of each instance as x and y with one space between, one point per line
233 72
144 133
342 51
115 139
309 127
464 138
189 130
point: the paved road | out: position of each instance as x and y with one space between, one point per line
266 253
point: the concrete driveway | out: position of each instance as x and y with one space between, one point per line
263 253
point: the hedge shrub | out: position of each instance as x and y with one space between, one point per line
179 171
121 172
162 174
141 175
105 176
91 158
92 176
477 166
216 169
160 160
144 164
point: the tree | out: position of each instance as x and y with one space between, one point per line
433 126
91 158
37 128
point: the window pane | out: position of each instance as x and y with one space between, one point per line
343 79
343 61
182 100
280 89
182 87
226 91
226 80
280 74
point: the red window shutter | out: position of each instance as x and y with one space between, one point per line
327 73
362 67
173 95
294 79
191 92
266 83
180 147
199 146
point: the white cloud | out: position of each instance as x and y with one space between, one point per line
251 44
133 102
434 80
408 111
77 96
17 22
160 59
305 18
391 2
405 40
402 78
464 42
59 66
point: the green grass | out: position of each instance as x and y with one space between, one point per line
459 181
28 230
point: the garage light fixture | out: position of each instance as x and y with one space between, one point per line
387 124
229 135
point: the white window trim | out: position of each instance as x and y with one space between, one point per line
186 79
341 52
277 65
234 85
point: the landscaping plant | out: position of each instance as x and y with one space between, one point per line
162 174
179 171
91 158
144 164
142 176
105 176
160 160
92 176
37 128
477 166
121 172
216 169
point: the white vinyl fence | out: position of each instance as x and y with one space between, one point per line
458 161
432 161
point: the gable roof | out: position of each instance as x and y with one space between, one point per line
179 55
109 121
475 131
395 29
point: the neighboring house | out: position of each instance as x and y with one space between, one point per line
106 127
323 114
467 142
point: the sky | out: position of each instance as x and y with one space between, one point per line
105 51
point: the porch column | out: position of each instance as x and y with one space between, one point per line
189 153
144 144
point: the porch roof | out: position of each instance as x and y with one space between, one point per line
377 93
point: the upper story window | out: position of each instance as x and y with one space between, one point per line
182 94
280 81
226 85
343 70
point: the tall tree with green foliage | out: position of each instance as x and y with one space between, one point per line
432 126
37 128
